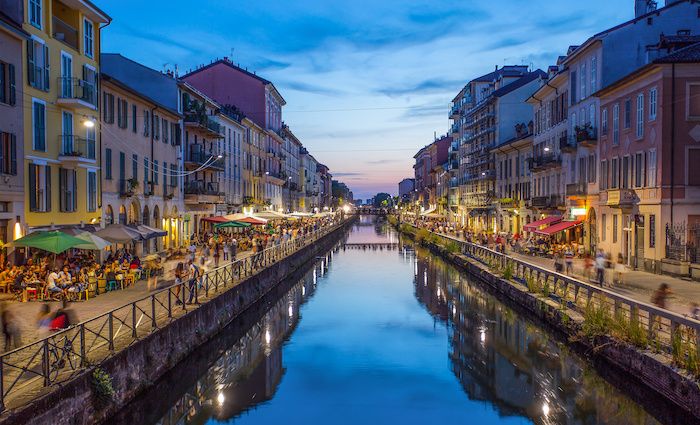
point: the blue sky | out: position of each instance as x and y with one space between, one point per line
367 83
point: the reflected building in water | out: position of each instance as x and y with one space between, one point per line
249 372
503 359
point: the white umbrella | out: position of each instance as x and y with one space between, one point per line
92 241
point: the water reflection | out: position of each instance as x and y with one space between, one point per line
504 359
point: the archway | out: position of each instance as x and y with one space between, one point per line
122 214
146 215
156 224
109 215
134 213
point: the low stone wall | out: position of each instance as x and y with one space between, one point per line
137 367
644 367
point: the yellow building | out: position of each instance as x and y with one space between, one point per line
61 145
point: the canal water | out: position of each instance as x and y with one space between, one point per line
385 334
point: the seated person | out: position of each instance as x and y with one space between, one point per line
135 263
52 283
66 277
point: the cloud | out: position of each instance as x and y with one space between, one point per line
266 64
337 174
309 88
382 161
431 85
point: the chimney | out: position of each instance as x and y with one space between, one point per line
642 7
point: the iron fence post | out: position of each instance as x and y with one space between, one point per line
2 384
110 325
45 362
83 360
170 306
133 319
153 311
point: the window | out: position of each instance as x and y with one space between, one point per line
165 177
108 164
614 173
651 168
616 124
591 115
573 87
603 175
165 130
173 177
592 162
604 121
8 91
652 231
122 113
155 172
603 228
133 118
146 122
122 166
39 188
583 81
625 177
639 170
145 170
156 127
693 160
652 104
628 113
640 115
594 74
108 108
68 190
135 167
91 191
38 64
694 101
614 229
38 126
8 154
35 13
88 37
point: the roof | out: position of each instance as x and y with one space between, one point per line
574 50
106 77
519 83
230 64
10 24
155 85
690 54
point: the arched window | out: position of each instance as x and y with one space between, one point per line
109 215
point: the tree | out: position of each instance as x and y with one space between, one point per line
382 200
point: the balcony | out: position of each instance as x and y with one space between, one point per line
65 33
551 201
276 178
577 189
127 187
199 158
567 144
76 149
76 94
621 198
545 162
455 111
586 136
148 189
169 191
454 130
203 192
508 203
203 122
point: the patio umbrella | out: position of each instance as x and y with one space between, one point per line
270 215
230 224
52 241
119 233
91 241
252 220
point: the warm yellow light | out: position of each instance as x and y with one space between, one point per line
89 123
576 212
346 208
17 233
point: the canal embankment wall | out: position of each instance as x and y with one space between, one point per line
137 367
643 367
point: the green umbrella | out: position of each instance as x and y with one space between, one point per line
231 224
52 241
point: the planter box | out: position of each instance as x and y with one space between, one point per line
675 267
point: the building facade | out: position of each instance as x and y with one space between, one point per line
61 154
12 111
514 181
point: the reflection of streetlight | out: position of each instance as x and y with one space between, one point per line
220 398
546 148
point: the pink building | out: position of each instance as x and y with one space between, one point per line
649 142
428 165
260 101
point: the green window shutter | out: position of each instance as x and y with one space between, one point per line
31 72
32 187
75 190
47 68
13 154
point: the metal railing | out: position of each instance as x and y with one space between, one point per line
55 359
65 32
661 326
76 146
76 88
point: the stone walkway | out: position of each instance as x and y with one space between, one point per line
28 312
638 285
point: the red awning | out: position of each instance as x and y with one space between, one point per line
252 220
216 219
531 227
558 227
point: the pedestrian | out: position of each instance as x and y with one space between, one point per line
194 273
217 253
226 249
695 311
588 266
661 295
10 327
64 318
179 277
569 256
192 249
600 263
558 262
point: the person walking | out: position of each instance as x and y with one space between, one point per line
217 253
225 247
233 246
180 275
661 295
600 263
569 257
194 274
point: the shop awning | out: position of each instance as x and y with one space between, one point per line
428 211
119 233
252 220
150 232
532 227
558 227
216 219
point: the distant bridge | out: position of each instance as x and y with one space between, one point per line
366 210
373 246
